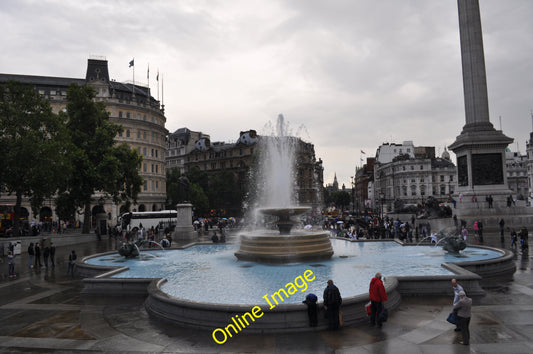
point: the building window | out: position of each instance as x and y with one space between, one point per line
144 167
412 168
120 114
138 135
145 186
213 165
451 178
442 178
128 133
128 115
144 151
144 135
421 167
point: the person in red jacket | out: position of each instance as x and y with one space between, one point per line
377 295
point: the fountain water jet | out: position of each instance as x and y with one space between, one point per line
275 180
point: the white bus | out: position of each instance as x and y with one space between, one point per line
148 219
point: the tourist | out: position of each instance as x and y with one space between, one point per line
514 238
37 263
464 232
463 309
31 253
312 309
480 227
457 288
72 263
490 200
476 231
52 254
11 264
332 303
524 239
502 226
377 296
46 255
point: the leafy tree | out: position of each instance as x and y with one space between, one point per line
33 146
341 199
199 200
100 165
173 175
224 192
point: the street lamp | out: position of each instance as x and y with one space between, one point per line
353 194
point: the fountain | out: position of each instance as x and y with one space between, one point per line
275 177
203 287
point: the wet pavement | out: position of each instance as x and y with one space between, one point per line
43 311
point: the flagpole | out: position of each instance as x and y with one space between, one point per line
148 77
157 79
133 87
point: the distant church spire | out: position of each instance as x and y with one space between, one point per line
335 183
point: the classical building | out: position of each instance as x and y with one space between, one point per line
529 149
179 144
132 106
412 179
213 157
362 192
517 174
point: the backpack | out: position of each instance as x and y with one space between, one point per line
311 297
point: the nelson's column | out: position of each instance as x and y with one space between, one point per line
480 149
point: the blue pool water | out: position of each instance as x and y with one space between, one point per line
211 273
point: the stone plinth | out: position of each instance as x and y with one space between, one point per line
184 229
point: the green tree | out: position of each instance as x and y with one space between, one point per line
33 146
173 176
99 164
341 199
199 200
224 192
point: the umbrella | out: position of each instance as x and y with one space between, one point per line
196 222
340 222
307 227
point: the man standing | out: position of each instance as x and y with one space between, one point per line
332 303
463 308
457 288
377 295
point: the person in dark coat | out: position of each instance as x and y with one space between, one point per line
52 254
332 304
312 309
37 263
31 253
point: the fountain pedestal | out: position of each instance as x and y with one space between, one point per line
285 247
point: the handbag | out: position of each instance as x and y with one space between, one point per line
368 308
452 318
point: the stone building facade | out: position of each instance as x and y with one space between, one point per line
412 180
133 107
213 157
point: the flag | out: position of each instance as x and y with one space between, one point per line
362 152
157 76
132 63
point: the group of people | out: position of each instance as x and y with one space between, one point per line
48 252
333 301
462 306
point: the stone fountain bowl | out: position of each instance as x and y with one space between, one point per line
284 212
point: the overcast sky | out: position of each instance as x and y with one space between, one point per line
347 75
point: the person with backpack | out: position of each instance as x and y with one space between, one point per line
377 296
312 309
332 304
